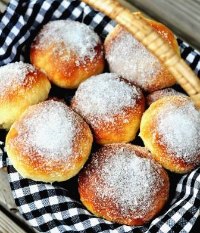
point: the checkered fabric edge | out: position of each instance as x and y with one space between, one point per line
48 207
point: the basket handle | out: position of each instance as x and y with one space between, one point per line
144 33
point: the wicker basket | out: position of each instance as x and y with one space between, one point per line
137 26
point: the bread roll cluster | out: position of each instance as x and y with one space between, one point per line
49 141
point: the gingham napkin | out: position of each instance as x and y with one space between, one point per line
48 207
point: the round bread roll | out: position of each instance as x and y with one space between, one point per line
49 142
21 85
68 52
170 129
156 95
111 106
129 58
123 184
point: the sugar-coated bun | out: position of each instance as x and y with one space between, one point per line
130 59
170 129
156 95
68 52
111 106
123 184
21 85
49 142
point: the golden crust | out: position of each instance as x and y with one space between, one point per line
122 126
156 95
65 68
165 33
14 101
163 78
120 130
107 208
153 139
40 167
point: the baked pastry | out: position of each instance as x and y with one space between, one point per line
68 52
129 58
156 95
123 184
49 142
111 106
170 129
21 85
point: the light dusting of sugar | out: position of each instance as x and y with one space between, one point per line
104 95
13 76
49 129
156 95
179 128
130 59
77 37
128 180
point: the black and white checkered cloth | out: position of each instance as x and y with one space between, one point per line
48 207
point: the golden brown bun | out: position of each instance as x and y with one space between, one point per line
111 106
123 184
49 142
165 33
130 59
156 95
21 85
68 52
170 129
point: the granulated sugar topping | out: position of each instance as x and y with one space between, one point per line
49 129
105 95
76 37
129 181
179 130
13 76
130 59
152 97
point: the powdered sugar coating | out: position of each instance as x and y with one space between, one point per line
130 59
103 96
49 130
179 129
77 37
119 175
14 75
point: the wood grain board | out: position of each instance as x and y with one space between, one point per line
7 225
5 193
3 4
